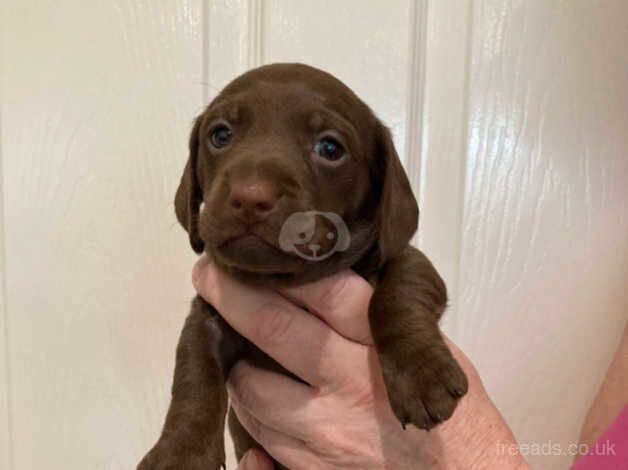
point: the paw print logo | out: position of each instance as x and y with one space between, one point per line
314 235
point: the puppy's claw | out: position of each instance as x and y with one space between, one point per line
425 396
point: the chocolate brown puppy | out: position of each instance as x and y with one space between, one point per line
290 178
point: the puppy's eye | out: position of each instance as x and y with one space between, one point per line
329 149
220 136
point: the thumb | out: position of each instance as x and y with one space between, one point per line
256 459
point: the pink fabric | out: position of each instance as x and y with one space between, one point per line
610 452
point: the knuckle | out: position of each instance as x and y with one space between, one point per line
339 444
327 436
360 393
362 293
333 296
347 293
274 323
363 289
339 286
357 388
251 424
242 385
207 283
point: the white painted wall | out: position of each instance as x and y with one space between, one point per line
512 119
544 254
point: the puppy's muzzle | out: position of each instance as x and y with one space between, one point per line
252 200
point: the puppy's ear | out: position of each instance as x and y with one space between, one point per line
189 195
398 212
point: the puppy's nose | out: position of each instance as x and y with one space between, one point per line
252 200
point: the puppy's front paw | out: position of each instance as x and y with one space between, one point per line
424 386
164 457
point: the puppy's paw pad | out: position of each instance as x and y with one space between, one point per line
425 393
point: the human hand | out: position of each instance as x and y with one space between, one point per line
343 420
255 459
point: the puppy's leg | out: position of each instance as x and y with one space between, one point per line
423 380
229 347
193 434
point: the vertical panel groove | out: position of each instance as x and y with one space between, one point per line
255 37
465 138
443 143
416 82
205 52
4 311
6 409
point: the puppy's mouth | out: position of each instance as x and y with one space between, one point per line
251 252
248 240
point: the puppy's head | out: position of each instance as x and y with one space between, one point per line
283 140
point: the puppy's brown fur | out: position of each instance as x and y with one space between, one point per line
275 115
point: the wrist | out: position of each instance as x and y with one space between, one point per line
477 437
495 452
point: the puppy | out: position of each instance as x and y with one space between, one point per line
283 157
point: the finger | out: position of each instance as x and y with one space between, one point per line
300 342
201 264
258 391
255 459
340 300
290 452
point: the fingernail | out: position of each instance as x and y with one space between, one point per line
246 462
258 460
249 461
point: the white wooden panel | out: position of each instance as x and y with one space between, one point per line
442 138
5 389
365 44
98 99
545 229
5 401
229 42
509 113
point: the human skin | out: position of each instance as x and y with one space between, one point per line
343 419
